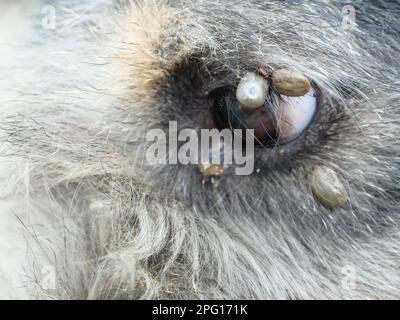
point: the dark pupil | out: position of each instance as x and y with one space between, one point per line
229 114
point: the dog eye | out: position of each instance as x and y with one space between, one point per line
280 120
295 114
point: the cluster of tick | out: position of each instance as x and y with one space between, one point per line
254 87
251 93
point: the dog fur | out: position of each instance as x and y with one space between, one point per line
76 103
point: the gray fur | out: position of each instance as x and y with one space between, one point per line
115 228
